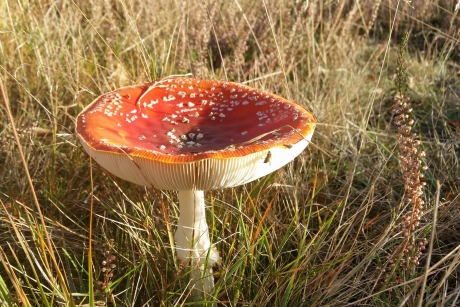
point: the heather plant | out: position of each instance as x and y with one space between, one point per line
107 272
406 254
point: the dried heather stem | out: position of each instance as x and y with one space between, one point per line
411 164
108 266
375 11
408 252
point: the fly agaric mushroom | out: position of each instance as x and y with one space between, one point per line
190 136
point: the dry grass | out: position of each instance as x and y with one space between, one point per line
316 233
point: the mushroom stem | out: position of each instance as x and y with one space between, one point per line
193 243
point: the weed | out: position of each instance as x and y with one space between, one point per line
406 254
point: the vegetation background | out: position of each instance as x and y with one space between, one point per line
323 231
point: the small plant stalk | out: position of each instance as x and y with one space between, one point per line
407 254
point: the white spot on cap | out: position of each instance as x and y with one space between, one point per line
169 98
221 115
191 135
244 132
144 115
162 147
150 105
190 104
245 102
185 120
199 136
187 110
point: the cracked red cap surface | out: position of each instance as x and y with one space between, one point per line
185 120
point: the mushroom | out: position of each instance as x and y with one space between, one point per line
191 136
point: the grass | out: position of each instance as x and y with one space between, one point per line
322 231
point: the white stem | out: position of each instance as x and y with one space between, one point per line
193 243
192 235
202 283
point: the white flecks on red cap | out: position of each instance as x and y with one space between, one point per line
160 121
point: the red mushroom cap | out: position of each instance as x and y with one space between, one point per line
185 120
